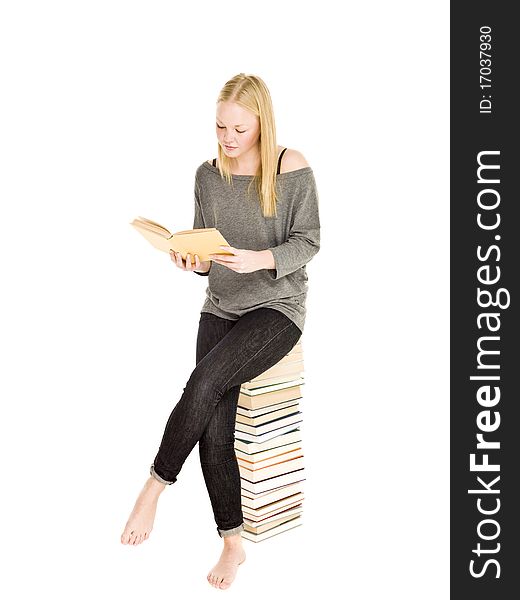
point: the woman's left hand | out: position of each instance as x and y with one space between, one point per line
242 261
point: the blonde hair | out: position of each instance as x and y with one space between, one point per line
251 93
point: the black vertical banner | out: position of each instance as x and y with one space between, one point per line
485 269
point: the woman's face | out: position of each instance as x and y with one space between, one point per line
236 127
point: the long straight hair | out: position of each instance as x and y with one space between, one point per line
251 93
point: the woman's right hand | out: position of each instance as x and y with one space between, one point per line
187 265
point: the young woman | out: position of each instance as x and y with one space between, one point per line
254 310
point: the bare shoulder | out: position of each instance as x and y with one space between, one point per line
293 160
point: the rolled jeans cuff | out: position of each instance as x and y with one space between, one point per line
158 477
228 532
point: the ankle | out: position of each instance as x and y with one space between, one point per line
155 485
232 541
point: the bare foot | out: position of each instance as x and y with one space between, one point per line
140 522
233 555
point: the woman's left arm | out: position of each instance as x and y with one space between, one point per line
304 236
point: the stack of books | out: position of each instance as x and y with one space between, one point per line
269 449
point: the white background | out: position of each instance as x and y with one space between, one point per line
107 110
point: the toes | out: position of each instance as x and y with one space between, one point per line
134 538
125 537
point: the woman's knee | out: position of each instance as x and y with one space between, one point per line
204 384
216 450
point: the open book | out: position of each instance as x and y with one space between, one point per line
203 242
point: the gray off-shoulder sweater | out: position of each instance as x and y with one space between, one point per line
293 237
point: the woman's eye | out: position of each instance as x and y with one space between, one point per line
221 127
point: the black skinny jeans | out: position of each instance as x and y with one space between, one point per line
229 353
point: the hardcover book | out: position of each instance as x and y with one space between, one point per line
203 241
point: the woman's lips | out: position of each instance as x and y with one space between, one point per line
229 147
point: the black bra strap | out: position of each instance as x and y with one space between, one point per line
280 160
214 162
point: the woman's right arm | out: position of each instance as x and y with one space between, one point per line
201 268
